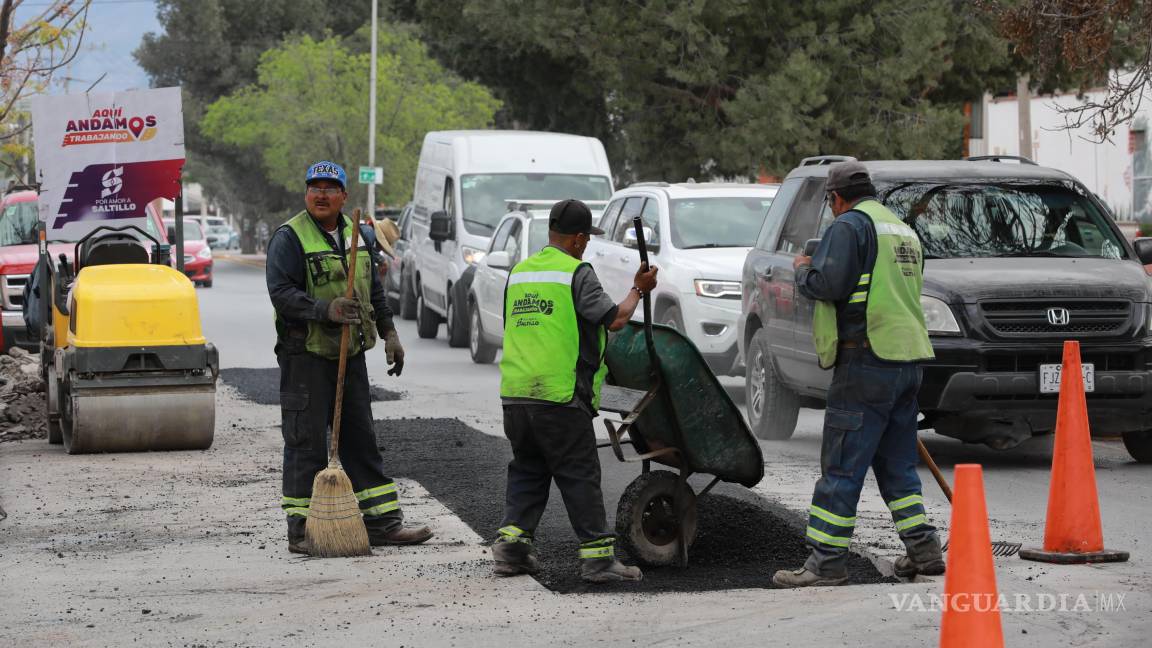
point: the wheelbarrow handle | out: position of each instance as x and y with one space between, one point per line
642 245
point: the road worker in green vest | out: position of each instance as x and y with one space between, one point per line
865 278
556 320
307 275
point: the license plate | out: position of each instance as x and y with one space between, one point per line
1050 377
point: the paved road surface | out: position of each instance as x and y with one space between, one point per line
185 549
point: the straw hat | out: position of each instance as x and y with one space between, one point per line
386 234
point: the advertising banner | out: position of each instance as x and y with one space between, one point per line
103 157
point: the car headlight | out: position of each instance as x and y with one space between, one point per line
205 253
471 255
718 289
938 317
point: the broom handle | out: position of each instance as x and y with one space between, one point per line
927 459
345 334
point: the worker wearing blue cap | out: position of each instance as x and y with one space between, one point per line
307 274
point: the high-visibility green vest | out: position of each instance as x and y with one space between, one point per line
895 319
326 278
541 332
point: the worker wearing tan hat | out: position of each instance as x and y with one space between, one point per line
384 232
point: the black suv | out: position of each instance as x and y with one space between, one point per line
1018 258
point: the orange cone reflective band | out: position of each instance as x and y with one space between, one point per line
971 615
1072 531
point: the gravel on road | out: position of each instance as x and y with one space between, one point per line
262 385
22 405
741 541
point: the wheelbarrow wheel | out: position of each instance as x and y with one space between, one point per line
647 525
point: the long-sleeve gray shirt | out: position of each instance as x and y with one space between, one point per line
287 287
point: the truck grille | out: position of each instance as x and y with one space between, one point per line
1088 318
1030 362
12 287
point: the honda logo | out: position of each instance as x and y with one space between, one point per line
1059 316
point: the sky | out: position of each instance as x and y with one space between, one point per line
115 29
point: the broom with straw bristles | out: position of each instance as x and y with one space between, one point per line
335 528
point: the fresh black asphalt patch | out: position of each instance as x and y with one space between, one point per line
262 385
741 542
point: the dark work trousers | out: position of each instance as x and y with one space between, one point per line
553 442
307 402
870 421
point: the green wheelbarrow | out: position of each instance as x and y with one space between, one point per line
674 412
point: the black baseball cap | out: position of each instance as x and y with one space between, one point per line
847 174
572 217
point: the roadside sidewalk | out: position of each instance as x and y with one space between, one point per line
256 260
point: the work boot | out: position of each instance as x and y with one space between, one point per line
804 578
924 557
907 567
299 546
608 570
400 536
512 558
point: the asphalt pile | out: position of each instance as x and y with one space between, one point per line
742 539
22 414
262 385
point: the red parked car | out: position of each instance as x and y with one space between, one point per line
197 253
19 213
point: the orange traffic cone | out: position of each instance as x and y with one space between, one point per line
1072 533
971 614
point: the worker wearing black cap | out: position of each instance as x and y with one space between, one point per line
556 318
865 277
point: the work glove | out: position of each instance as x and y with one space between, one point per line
343 310
394 351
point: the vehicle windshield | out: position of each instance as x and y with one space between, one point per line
1002 220
717 222
18 224
537 235
484 197
192 231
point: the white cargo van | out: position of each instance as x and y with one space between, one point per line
464 183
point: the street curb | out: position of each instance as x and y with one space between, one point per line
255 263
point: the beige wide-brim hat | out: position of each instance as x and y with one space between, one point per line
386 234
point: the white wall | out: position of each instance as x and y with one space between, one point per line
1104 168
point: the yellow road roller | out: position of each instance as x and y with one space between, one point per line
130 369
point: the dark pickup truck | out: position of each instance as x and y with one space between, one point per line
1018 259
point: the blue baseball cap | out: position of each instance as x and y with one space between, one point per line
325 170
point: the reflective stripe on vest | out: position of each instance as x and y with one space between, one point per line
541 332
891 290
326 278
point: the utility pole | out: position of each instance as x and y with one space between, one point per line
1024 115
372 116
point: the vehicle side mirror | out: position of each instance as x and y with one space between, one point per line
498 260
1143 250
440 227
810 246
650 239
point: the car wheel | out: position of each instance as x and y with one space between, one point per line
1139 445
482 352
457 330
772 406
407 299
206 284
673 319
427 321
